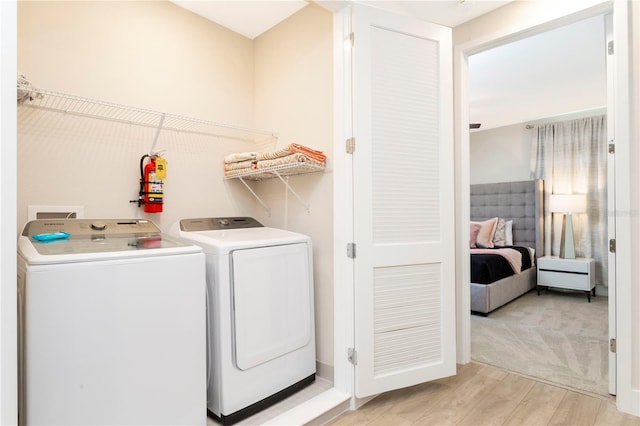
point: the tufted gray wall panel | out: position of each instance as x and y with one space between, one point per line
521 202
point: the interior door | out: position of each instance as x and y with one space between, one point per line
403 172
611 203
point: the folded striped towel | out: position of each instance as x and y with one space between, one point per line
240 165
238 171
240 156
272 155
292 149
291 158
311 153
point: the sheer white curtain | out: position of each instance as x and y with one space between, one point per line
571 157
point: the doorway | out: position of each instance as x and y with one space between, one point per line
534 78
473 41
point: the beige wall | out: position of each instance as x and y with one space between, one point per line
155 55
293 87
152 55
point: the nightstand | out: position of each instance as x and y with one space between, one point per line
572 274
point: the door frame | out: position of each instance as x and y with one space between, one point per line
626 400
8 215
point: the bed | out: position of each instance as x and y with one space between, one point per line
522 203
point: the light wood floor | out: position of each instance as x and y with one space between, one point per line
485 395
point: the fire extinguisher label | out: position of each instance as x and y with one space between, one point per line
155 185
161 168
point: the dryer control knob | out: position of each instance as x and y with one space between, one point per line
98 226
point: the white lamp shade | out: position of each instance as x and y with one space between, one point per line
568 203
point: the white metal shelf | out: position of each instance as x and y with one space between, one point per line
93 108
282 172
273 172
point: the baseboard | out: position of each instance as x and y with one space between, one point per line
359 402
329 415
324 370
602 290
316 411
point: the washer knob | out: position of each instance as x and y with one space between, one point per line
98 226
223 222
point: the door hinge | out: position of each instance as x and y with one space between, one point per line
350 145
351 38
351 250
352 356
612 147
612 345
612 245
610 47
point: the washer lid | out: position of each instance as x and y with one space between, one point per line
221 241
96 239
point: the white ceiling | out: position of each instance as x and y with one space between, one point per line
253 17
249 18
449 13
552 73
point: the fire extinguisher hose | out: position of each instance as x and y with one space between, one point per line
141 193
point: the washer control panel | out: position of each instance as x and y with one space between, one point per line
88 236
92 227
217 223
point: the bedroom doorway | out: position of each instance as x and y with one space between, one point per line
531 323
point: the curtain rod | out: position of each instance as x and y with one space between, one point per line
583 113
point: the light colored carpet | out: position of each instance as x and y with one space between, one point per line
557 336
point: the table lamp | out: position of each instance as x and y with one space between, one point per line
568 204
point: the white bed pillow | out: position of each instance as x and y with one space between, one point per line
508 233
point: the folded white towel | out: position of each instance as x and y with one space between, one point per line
240 156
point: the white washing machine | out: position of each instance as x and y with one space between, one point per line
261 345
112 325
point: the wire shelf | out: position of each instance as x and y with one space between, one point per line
291 169
281 172
92 108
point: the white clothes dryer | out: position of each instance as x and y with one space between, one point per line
112 325
261 345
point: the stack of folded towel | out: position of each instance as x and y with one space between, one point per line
243 162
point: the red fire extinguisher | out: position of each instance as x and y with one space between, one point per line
151 180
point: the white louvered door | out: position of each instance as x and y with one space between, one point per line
403 201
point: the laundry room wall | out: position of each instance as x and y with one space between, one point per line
151 55
294 95
158 56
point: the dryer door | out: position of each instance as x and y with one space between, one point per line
272 302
